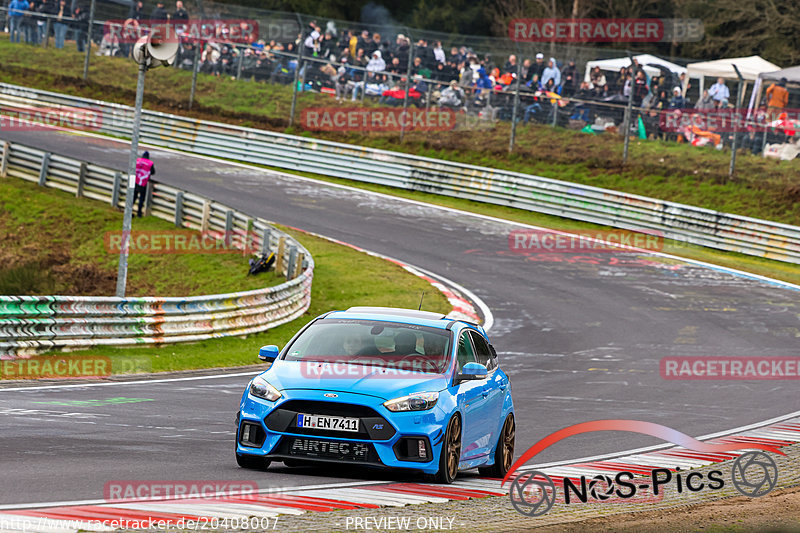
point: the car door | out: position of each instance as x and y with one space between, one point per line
493 388
473 403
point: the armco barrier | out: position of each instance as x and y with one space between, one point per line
676 221
32 324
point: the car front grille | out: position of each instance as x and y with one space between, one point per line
372 426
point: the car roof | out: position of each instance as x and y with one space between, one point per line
394 314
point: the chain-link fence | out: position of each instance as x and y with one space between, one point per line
480 81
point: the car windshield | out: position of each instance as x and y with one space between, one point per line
374 343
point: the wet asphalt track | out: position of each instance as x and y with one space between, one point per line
581 341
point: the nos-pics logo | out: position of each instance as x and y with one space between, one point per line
533 493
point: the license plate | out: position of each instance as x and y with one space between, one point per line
347 451
327 423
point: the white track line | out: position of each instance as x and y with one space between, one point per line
133 382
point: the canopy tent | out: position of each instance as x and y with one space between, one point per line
750 67
613 65
792 75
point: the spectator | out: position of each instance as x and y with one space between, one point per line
526 72
15 17
395 67
438 53
373 45
677 101
376 63
640 89
159 13
145 169
109 44
720 93
47 7
80 25
777 98
598 81
551 73
29 23
180 15
402 50
60 24
705 102
311 42
569 79
452 97
539 65
510 65
137 11
364 41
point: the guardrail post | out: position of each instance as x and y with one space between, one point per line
292 261
81 180
206 216
279 255
228 227
179 209
6 157
148 199
265 240
115 190
43 171
298 268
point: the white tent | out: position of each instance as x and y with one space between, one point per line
613 65
792 75
750 67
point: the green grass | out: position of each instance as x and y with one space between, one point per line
54 228
762 188
54 243
343 277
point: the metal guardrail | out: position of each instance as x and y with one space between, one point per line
33 324
680 222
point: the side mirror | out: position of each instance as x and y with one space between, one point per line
268 353
472 371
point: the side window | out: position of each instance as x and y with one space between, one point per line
465 352
482 351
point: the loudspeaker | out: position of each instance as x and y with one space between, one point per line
164 51
138 50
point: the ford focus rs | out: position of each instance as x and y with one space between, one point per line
381 387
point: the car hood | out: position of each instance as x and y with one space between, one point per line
384 383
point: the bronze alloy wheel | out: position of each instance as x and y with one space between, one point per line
453 447
509 431
451 453
504 452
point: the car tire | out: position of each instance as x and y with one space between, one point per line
451 452
504 452
252 462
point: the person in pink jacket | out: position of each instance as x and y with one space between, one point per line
144 170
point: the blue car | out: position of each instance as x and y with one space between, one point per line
381 387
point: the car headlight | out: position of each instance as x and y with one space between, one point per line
420 401
261 388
